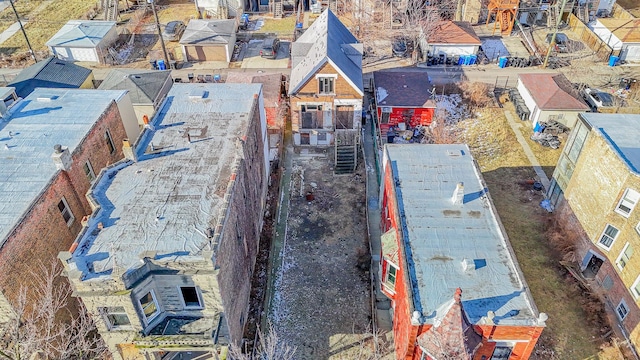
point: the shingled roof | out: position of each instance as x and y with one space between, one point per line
454 32
143 85
81 33
327 40
49 73
403 88
552 92
200 32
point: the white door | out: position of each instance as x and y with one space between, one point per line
83 54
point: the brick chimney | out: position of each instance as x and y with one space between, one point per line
61 157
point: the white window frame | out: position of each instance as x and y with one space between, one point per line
198 294
623 255
91 175
385 281
110 143
104 311
628 203
66 209
635 292
150 318
604 233
622 304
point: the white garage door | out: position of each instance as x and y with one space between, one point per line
82 54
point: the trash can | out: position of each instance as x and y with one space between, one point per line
613 60
461 60
502 62
472 59
162 65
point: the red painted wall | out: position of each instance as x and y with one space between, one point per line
421 116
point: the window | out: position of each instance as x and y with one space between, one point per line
635 288
322 136
608 237
628 202
149 305
624 256
88 171
67 215
501 353
109 140
114 317
390 277
325 85
607 283
312 116
191 297
622 310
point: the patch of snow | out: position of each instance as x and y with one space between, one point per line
381 94
451 108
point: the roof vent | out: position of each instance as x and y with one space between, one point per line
197 94
57 148
61 157
468 265
453 153
46 98
458 194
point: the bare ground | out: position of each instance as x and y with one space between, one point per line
321 299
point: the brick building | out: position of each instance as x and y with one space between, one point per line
446 264
43 190
165 261
325 86
595 188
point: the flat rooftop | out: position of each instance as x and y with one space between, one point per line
166 201
621 131
27 135
442 236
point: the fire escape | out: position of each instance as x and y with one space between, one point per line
505 14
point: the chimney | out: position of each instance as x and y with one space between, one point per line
458 194
61 157
468 265
128 151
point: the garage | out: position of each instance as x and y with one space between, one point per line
83 40
451 38
209 40
206 53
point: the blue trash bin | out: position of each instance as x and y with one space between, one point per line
162 65
461 60
472 59
613 60
502 62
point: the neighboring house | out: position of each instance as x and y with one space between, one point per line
52 73
550 97
164 263
84 40
446 263
209 40
622 35
273 91
403 97
325 86
450 38
43 186
147 89
596 186
218 9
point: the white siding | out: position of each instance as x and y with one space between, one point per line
453 50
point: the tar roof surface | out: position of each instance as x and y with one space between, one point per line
326 40
36 126
81 33
441 235
621 132
548 95
167 200
143 85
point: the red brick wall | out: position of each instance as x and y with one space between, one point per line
528 336
43 233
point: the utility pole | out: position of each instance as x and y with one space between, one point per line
33 54
164 49
553 37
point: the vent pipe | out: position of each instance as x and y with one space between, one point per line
458 194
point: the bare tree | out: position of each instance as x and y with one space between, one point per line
270 347
43 326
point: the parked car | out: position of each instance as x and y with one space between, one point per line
562 42
270 48
173 31
597 98
399 47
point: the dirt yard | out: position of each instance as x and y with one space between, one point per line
321 300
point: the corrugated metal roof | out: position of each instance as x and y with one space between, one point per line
27 138
549 95
202 32
81 33
440 237
327 40
167 200
143 85
621 132
50 73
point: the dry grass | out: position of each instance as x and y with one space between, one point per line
43 25
504 165
283 27
7 16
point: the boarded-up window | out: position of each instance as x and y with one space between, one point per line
312 116
344 116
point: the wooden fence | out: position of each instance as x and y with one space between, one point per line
587 36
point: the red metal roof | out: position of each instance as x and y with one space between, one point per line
552 92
